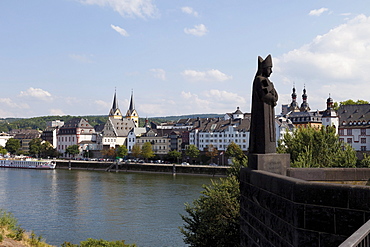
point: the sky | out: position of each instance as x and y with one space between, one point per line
69 57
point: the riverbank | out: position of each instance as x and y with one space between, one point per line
143 167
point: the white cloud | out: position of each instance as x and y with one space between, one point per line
128 8
56 112
119 30
102 104
336 62
198 30
318 12
209 75
189 10
81 58
225 97
9 103
159 73
37 93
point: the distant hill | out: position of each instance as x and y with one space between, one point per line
7 124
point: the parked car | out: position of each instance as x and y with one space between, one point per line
185 163
213 164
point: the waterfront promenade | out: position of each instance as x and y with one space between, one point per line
143 167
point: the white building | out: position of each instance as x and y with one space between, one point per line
76 131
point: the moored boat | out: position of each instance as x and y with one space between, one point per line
27 164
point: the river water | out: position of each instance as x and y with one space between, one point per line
63 205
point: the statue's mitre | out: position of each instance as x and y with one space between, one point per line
264 63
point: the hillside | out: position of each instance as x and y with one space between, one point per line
7 124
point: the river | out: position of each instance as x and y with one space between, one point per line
63 205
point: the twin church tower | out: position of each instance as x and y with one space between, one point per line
131 114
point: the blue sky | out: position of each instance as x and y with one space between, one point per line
179 57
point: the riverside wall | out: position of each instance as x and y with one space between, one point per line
144 167
278 210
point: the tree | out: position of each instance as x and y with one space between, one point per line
192 151
147 151
214 218
3 151
234 151
174 155
211 151
136 151
110 152
35 147
317 148
350 102
73 150
365 162
121 151
13 145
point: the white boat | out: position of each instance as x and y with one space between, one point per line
28 163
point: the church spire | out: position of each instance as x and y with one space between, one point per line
294 105
132 105
304 106
114 111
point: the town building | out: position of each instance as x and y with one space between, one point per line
220 132
132 113
51 132
25 136
76 131
4 137
354 126
116 129
303 116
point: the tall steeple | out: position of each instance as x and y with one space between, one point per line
131 112
293 107
132 105
115 111
304 106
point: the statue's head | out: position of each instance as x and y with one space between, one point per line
265 66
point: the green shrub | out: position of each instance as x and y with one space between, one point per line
90 242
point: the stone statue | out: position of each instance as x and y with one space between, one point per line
264 97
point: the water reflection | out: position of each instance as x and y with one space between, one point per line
64 205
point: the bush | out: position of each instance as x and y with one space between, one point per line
90 242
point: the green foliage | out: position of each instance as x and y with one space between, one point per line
12 145
365 162
317 148
174 155
35 147
136 151
73 150
349 102
3 151
234 151
121 151
90 242
211 152
192 151
7 220
147 151
110 152
214 218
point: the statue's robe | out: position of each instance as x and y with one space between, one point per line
262 131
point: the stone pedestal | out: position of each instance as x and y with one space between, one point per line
274 163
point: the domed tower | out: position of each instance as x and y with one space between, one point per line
131 112
304 106
329 116
293 107
115 112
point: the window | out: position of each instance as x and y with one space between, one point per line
349 132
349 140
363 148
341 132
363 140
341 139
363 132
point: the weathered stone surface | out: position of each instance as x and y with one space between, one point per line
280 211
275 163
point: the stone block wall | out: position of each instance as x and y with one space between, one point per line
281 211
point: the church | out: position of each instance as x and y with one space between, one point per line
115 131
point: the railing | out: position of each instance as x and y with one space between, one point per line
361 238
